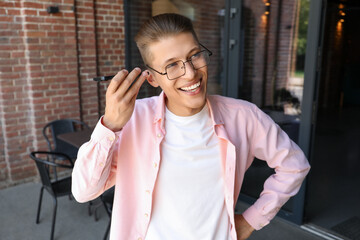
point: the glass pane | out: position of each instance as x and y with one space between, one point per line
208 20
273 75
336 138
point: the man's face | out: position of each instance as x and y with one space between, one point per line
185 95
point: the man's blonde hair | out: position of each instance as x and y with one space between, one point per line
159 27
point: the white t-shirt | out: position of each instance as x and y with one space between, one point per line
189 194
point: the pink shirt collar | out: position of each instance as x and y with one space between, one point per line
160 111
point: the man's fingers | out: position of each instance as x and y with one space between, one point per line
116 81
140 81
134 89
130 78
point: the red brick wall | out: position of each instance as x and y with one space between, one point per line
87 54
40 75
110 30
140 11
38 78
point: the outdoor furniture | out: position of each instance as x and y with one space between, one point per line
51 131
56 188
76 139
108 198
62 126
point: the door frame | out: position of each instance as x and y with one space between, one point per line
309 106
233 60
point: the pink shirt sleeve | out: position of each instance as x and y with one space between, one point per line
273 145
95 166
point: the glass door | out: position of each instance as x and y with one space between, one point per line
333 193
274 40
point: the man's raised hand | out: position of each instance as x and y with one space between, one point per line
120 98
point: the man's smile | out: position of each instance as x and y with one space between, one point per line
191 88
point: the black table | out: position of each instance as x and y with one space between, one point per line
76 138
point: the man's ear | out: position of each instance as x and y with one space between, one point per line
151 80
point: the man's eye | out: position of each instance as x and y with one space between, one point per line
171 65
196 55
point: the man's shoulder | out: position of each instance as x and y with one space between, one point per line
147 100
146 105
223 103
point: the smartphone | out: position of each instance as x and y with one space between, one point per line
103 78
107 78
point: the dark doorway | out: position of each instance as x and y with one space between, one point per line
333 199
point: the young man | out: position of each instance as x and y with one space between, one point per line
178 160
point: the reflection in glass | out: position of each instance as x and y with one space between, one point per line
273 75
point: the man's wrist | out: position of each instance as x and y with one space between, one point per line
109 126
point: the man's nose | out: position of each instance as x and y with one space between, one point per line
189 70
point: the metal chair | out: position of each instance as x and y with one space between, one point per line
56 188
108 198
60 126
52 129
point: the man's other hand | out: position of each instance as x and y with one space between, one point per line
243 228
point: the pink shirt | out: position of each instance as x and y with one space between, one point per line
130 160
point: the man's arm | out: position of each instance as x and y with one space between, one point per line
95 167
271 144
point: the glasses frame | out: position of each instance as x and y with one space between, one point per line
189 60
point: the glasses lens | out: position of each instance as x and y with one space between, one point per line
200 59
175 70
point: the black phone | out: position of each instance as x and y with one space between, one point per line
107 78
103 78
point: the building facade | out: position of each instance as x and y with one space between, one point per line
48 60
297 60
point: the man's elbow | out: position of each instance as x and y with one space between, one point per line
78 195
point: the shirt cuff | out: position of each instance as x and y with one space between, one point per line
101 132
255 219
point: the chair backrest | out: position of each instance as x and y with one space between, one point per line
41 159
58 127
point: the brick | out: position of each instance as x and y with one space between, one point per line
13 12
5 4
4 54
58 28
17 54
33 5
6 19
20 68
31 40
34 19
36 34
30 26
30 12
53 34
68 14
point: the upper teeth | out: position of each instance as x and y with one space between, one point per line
192 87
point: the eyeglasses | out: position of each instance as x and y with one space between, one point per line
177 69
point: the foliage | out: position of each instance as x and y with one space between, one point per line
303 25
